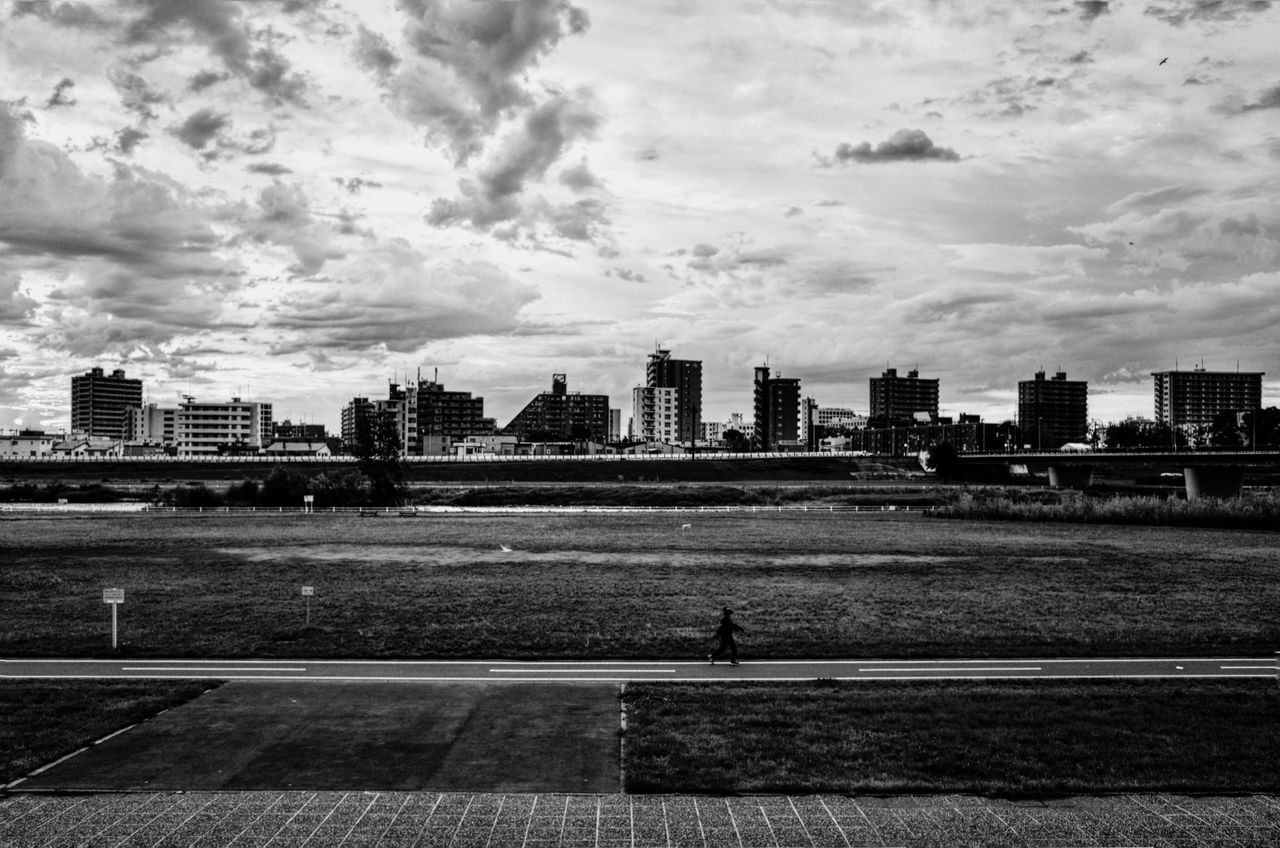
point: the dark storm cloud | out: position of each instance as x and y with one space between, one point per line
1091 9
204 79
129 138
902 146
374 54
136 94
469 62
219 25
73 15
495 195
60 97
201 127
1179 12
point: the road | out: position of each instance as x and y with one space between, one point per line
638 670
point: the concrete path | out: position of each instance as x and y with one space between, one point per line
616 671
377 819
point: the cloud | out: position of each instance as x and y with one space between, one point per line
355 185
495 195
469 63
219 25
902 146
204 79
138 258
1269 99
60 96
129 138
374 54
201 127
72 15
273 169
1091 9
15 306
284 217
1178 12
136 94
579 178
401 302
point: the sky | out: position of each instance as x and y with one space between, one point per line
298 201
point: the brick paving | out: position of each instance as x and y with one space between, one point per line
461 820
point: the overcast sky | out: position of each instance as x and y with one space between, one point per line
298 200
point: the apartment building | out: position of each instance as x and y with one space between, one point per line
1184 398
1053 412
99 401
212 429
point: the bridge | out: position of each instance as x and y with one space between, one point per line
1205 473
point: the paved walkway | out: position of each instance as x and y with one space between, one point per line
369 820
617 671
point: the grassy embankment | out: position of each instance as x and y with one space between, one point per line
1252 510
48 719
1000 738
810 584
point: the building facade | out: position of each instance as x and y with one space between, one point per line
685 376
355 412
99 401
655 414
777 412
561 415
899 399
213 429
453 414
1053 412
1188 398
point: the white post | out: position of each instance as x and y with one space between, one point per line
113 626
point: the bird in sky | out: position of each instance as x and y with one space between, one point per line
1165 59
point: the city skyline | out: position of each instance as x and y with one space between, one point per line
295 201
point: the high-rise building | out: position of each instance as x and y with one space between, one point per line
899 399
777 412
615 425
1196 397
685 376
358 410
151 423
655 413
559 415
98 402
1053 412
210 429
453 415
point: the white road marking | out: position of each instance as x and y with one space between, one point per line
582 670
205 668
879 669
1248 667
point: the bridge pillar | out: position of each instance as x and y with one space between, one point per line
1213 481
1070 476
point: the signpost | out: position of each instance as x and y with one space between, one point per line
115 597
308 503
307 592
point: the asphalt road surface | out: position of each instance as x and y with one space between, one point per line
636 670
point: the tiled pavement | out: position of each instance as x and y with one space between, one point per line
433 820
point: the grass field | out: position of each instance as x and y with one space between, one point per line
989 737
630 585
48 719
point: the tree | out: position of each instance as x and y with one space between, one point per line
735 441
1224 431
1261 428
944 459
378 450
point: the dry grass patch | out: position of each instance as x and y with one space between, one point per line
986 737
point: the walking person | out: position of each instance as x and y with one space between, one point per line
725 634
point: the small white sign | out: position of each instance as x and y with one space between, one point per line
113 596
308 499
308 591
